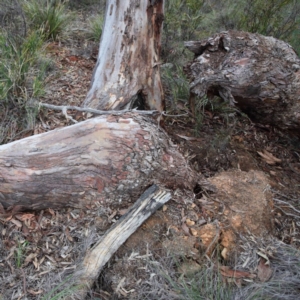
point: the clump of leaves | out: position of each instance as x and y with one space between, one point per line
50 17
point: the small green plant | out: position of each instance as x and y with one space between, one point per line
174 79
96 25
23 69
20 253
50 17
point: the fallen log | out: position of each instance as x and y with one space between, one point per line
259 74
109 159
151 200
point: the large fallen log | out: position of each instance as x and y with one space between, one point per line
109 159
260 74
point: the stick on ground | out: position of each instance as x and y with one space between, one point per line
151 200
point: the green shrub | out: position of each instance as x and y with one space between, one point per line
49 17
278 18
182 22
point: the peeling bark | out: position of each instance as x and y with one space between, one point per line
261 75
127 73
109 159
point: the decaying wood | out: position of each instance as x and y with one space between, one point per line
261 75
127 73
108 159
151 200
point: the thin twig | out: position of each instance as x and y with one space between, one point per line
96 111
287 214
181 115
290 205
283 195
24 282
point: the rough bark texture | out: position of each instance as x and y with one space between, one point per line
109 159
260 74
127 73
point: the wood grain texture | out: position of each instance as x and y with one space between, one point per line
128 65
259 74
109 159
151 200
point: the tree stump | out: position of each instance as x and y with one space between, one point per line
259 74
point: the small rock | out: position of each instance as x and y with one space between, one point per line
189 222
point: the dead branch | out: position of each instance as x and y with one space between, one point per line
151 200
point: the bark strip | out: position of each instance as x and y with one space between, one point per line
151 200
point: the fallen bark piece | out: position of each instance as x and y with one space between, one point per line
151 200
259 74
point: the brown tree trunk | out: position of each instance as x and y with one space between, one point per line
261 75
127 73
109 159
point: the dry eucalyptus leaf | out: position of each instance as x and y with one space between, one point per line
264 272
269 158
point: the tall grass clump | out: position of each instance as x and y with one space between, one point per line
181 23
22 68
168 282
22 71
50 17
95 27
175 80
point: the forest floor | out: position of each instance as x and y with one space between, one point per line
40 249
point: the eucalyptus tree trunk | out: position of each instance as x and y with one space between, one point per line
127 73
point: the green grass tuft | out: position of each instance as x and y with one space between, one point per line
48 17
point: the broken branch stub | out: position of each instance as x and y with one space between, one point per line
259 74
151 200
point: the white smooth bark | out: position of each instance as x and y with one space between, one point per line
128 60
